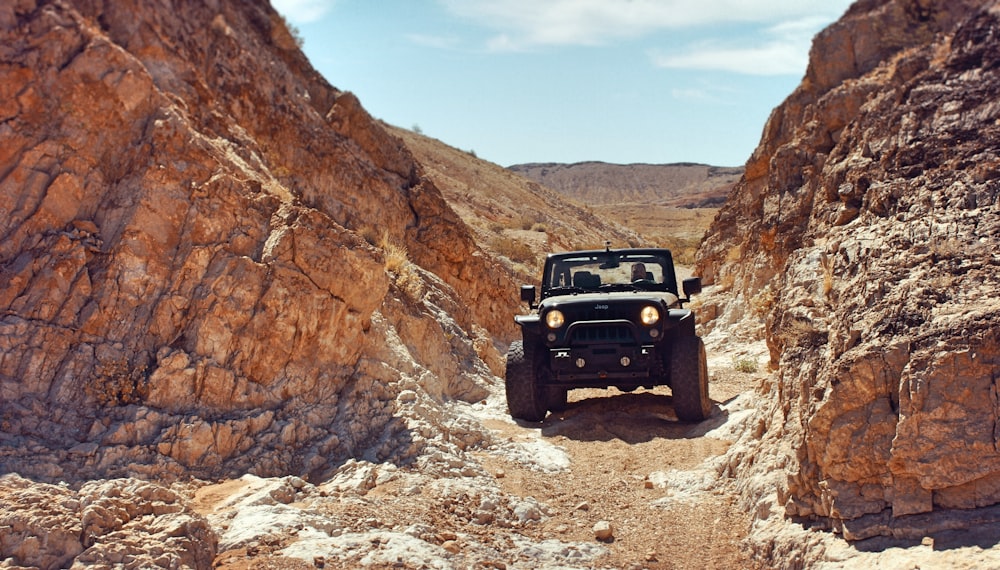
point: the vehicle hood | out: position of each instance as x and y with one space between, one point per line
669 299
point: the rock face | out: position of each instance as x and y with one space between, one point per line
213 262
866 229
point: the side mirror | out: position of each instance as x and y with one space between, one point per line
528 295
691 286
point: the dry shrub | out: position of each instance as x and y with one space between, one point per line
395 254
514 250
397 263
293 31
952 247
827 263
745 364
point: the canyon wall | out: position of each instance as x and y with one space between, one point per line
866 231
212 261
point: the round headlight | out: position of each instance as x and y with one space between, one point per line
649 316
554 319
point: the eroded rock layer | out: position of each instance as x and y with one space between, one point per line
866 230
211 261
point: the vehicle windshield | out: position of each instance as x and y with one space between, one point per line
612 270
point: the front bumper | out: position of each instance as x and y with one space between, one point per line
603 364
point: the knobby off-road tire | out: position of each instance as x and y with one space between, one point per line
689 379
525 397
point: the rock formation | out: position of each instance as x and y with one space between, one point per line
212 262
120 523
866 229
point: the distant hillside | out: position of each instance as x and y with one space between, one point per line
509 215
680 185
670 205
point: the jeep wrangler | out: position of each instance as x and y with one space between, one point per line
607 318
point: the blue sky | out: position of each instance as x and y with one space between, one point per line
621 81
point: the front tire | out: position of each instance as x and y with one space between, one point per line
525 397
689 379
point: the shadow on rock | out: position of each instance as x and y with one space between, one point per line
946 529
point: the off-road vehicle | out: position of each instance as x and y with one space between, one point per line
609 317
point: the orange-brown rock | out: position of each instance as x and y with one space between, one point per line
184 285
119 523
867 228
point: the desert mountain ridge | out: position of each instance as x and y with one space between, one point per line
670 205
680 184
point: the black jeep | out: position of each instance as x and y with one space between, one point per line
607 318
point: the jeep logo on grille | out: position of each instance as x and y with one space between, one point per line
601 307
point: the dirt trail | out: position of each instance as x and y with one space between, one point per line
531 499
625 453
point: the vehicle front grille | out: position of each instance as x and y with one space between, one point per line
610 314
601 323
602 333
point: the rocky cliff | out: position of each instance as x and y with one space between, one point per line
213 262
866 231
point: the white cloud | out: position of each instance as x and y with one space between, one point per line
770 59
303 11
523 24
782 49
